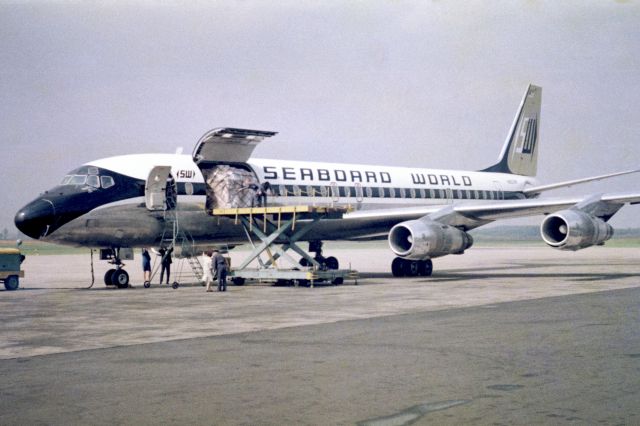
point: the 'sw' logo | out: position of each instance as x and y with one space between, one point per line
530 136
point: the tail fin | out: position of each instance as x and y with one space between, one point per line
519 154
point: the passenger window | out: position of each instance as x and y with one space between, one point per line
413 193
94 181
311 192
106 181
369 192
431 194
283 190
297 191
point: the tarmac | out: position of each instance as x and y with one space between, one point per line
496 336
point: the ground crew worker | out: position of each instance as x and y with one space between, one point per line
261 194
207 270
146 265
219 266
166 263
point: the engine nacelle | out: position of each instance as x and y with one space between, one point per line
425 239
574 230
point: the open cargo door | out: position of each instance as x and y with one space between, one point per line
155 190
228 145
222 154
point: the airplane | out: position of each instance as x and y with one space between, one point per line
122 202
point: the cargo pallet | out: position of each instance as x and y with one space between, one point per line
280 230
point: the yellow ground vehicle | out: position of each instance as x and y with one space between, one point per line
10 273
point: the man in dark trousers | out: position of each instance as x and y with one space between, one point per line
166 263
219 266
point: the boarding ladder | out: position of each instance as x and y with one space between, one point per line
174 236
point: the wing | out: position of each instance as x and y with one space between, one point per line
472 215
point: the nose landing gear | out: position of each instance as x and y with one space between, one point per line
116 276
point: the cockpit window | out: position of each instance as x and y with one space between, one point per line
93 170
77 180
107 181
94 181
66 180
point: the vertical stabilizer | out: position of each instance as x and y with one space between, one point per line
520 151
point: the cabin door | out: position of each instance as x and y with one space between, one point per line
155 189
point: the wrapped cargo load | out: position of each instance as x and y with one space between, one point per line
230 187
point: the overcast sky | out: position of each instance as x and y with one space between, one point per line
403 83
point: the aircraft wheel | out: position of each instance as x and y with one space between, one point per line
238 281
337 281
146 284
303 262
175 285
332 263
398 267
107 277
412 268
426 267
120 278
11 283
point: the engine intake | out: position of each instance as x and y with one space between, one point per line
574 230
425 239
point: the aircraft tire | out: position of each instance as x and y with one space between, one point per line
120 278
11 283
175 285
146 284
238 281
398 267
332 263
426 268
107 277
412 268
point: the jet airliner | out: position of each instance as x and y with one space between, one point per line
117 203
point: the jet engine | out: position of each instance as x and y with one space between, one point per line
425 239
574 230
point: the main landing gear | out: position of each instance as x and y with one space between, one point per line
411 268
116 276
326 263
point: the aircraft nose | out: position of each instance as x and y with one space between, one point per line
36 218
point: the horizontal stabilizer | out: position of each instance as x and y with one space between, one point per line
566 184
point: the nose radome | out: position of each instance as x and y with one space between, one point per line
36 218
